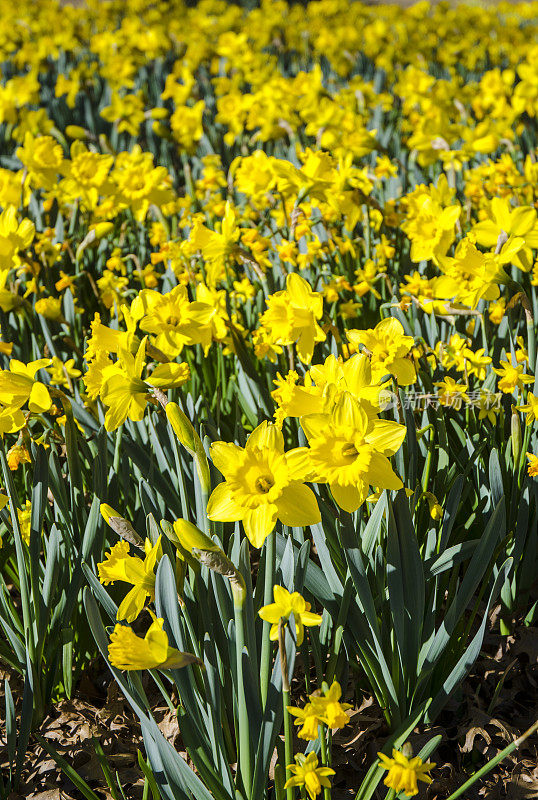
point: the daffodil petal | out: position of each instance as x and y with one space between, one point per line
297 506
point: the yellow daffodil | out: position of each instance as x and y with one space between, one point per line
307 774
531 408
512 377
11 420
476 362
61 372
43 158
348 451
404 772
532 467
292 316
308 720
216 247
174 320
328 707
325 708
124 391
430 220
436 510
14 236
107 340
520 221
127 111
258 488
284 607
16 455
471 275
18 386
388 347
131 652
169 376
452 394
25 516
120 566
323 385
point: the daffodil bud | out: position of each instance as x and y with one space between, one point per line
239 589
102 229
107 512
515 437
192 540
182 427
184 430
120 525
436 510
76 132
190 537
159 113
94 234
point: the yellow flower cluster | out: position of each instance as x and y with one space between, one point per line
304 222
302 237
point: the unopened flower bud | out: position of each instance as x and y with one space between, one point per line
76 132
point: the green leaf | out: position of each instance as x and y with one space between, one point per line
405 580
107 773
93 523
148 774
450 512
450 557
495 478
101 593
371 534
11 723
474 573
365 601
27 718
470 654
38 501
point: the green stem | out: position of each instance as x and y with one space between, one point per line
531 341
484 334
117 449
305 652
245 765
324 756
288 734
265 657
288 742
519 467
428 465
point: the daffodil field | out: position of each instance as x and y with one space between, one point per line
268 394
